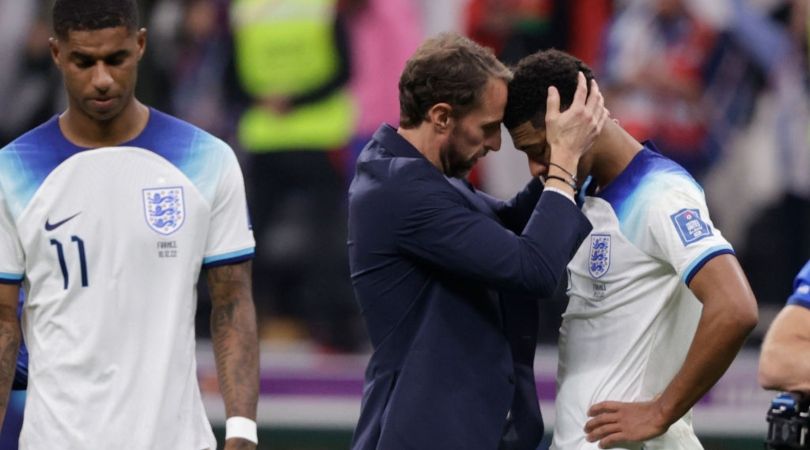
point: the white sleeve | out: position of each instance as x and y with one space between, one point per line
12 258
681 232
230 235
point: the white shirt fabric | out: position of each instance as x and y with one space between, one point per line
109 243
631 317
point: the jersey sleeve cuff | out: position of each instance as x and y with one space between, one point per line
11 278
799 300
701 261
229 258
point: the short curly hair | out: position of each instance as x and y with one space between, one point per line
446 68
84 15
528 90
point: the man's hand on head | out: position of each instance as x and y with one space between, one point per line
572 132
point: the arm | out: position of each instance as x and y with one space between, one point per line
729 314
783 364
438 230
9 342
233 330
515 213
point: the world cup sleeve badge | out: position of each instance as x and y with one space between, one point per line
164 209
691 228
599 260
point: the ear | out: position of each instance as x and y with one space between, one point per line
53 43
141 39
440 117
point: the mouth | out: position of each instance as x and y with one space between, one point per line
102 103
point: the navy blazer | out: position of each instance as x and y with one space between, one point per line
433 269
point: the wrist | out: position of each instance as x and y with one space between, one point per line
564 163
242 428
561 184
665 414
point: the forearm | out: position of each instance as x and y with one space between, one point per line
718 339
783 363
9 346
784 367
233 331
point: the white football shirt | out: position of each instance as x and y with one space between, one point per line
631 317
109 243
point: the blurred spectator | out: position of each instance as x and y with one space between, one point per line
516 28
656 52
759 99
27 76
292 61
194 54
382 35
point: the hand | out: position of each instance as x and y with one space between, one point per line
571 133
614 423
239 444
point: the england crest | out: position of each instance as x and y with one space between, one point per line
164 209
599 261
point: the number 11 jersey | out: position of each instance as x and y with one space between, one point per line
110 243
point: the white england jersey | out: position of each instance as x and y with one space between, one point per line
109 243
631 317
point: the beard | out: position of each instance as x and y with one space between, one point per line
454 163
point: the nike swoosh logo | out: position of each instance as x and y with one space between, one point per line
50 227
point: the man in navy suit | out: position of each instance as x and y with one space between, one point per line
441 272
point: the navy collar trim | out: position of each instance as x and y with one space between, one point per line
392 141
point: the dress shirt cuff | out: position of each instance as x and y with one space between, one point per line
561 192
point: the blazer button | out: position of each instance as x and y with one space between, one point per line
511 379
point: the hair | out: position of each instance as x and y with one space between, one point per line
528 90
447 68
88 15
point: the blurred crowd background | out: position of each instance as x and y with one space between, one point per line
298 86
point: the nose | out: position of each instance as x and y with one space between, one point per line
537 168
493 143
102 80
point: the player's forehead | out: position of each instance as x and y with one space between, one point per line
526 135
100 42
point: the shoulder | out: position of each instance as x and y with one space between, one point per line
33 140
186 146
655 184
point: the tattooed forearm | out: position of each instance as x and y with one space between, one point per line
9 342
233 330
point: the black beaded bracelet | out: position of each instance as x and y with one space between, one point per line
573 177
568 182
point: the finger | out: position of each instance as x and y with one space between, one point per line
601 420
582 90
603 432
594 96
603 407
552 103
615 440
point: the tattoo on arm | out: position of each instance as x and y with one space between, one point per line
233 330
9 342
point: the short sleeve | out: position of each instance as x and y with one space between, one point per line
680 230
12 258
801 288
230 235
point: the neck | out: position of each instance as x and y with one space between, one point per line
425 140
85 131
612 151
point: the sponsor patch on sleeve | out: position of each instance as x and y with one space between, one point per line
691 228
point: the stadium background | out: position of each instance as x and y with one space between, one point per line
721 86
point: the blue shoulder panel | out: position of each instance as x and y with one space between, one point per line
801 288
26 162
637 178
